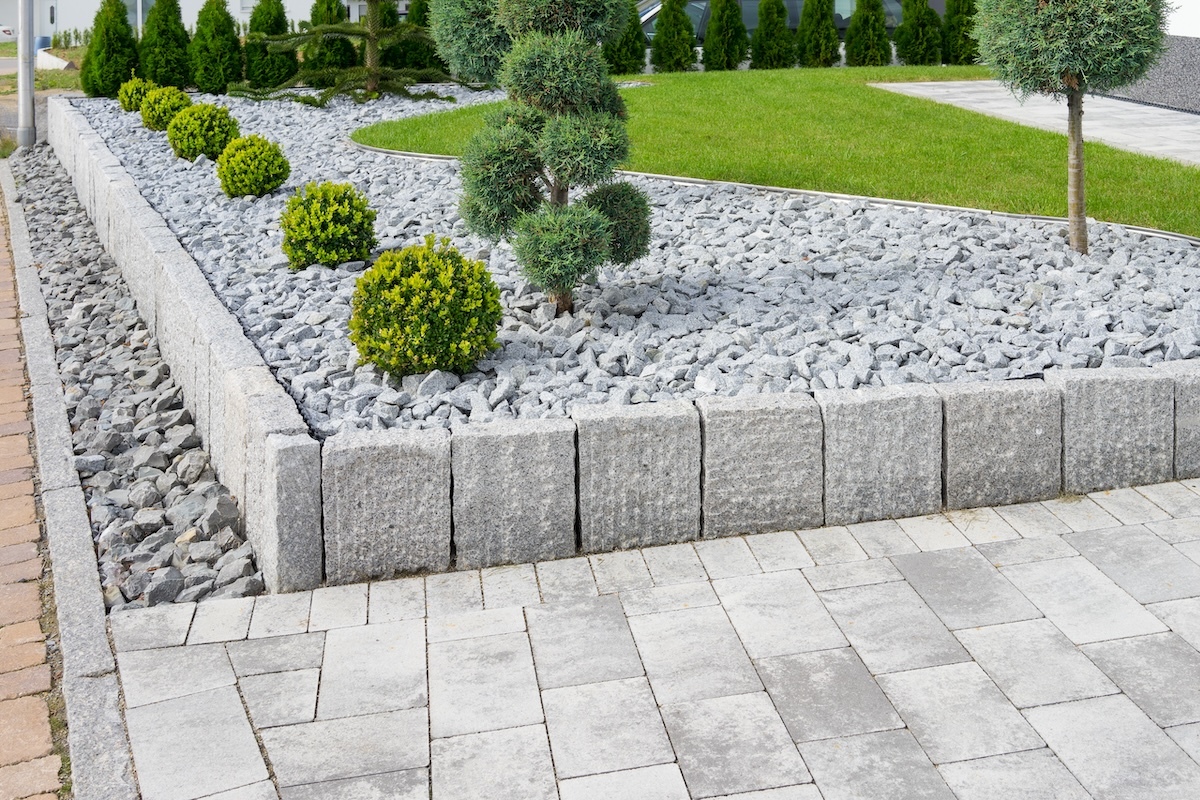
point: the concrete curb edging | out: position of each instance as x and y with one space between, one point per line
100 768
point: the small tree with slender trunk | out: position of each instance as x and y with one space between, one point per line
817 37
673 48
772 46
725 41
1066 48
958 45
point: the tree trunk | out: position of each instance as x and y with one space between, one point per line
564 301
560 194
371 45
1076 207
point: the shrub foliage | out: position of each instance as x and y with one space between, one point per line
215 53
867 43
327 223
418 13
958 41
817 37
265 69
772 46
626 55
161 105
111 55
164 47
725 40
133 92
469 38
323 54
673 48
251 165
201 128
919 35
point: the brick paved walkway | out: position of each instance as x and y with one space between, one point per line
28 767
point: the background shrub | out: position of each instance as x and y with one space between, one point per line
161 105
215 53
817 43
626 55
418 13
958 45
867 43
133 92
327 223
112 55
164 47
725 41
773 46
469 38
202 128
423 308
264 69
919 35
673 48
251 165
324 54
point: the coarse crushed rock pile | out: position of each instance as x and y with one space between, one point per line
744 291
165 528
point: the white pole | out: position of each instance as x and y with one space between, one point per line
26 132
139 16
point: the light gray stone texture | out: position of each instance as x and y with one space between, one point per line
453 593
882 538
1022 551
582 641
883 453
674 563
763 467
619 571
982 525
826 694
963 589
409 784
1183 616
373 668
338 607
263 790
568 579
733 744
1033 520
663 782
1140 563
505 587
1118 427
639 474
482 684
260 656
1176 531
95 721
1081 514
280 615
1174 498
221 621
805 791
1129 506
777 613
281 698
1029 775
672 597
1185 375
1188 739
778 551
885 764
832 545
851 573
514 484
1002 442
393 601
151 676
473 624
145 628
727 558
1158 673
511 764
402 524
283 512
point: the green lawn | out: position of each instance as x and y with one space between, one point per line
8 49
827 130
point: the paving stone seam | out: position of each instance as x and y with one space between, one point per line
92 716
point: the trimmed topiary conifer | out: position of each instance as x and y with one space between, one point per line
216 51
919 35
772 46
673 48
163 51
725 40
958 43
867 43
266 69
111 57
418 13
626 55
817 43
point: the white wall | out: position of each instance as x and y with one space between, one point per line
1185 20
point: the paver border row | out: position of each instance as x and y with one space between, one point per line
373 504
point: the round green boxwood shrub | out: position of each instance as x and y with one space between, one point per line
202 128
251 165
133 92
327 223
161 105
423 308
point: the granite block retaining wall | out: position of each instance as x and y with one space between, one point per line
379 503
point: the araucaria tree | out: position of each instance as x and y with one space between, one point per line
725 40
772 46
266 69
817 43
1067 48
216 51
919 35
562 131
626 55
867 43
673 48
326 53
111 57
958 41
163 51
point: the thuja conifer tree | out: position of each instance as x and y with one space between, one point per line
469 38
673 48
817 43
867 43
266 69
919 34
163 51
215 53
958 41
561 132
626 55
418 13
111 57
725 40
1066 49
327 53
772 46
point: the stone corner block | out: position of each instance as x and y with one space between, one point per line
1186 375
283 512
514 491
763 467
1118 427
883 452
639 474
386 499
1002 442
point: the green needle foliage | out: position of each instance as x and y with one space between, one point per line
673 48
772 46
418 13
817 37
626 55
958 41
216 51
163 50
469 38
324 54
867 43
112 56
919 35
264 69
725 41
1066 49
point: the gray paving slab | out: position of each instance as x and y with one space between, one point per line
280 615
351 747
1032 520
727 558
472 624
891 628
1183 617
1191 550
281 698
1188 739
582 641
1081 514
805 791
882 538
174 763
933 532
453 593
409 784
673 597
963 588
874 765
663 782
674 563
263 790
1176 531
1023 551
1115 751
779 550
510 586
1160 673
826 694
373 668
221 621
852 573
151 676
1140 563
1031 775
733 744
693 655
831 545
568 579
511 764
393 601
484 684
338 607
145 628
1084 603
281 654
605 727
1129 506
957 713
981 525
1034 664
777 613
616 572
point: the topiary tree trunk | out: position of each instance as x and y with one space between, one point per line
772 46
817 43
867 43
1066 49
111 57
216 51
725 41
265 69
627 54
673 48
919 35
958 43
163 50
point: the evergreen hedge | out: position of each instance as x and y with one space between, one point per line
772 46
216 51
111 57
867 43
673 48
626 55
817 43
919 35
163 50
469 38
958 43
418 13
725 40
327 54
265 69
